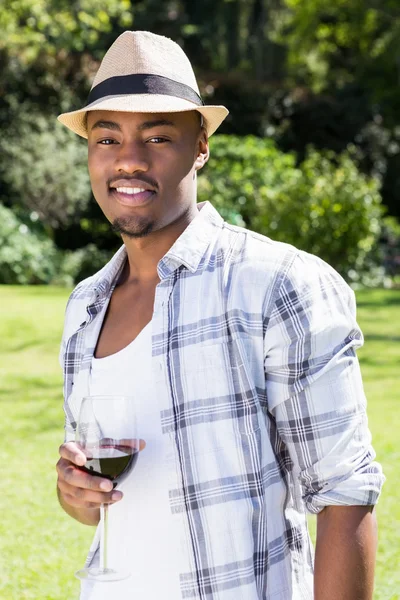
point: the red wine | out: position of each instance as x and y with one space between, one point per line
113 462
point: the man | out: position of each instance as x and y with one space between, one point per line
241 354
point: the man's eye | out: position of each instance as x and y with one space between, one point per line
158 140
106 142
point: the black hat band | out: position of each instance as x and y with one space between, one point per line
144 84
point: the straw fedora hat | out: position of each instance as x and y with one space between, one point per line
147 73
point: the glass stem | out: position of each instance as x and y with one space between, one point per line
104 537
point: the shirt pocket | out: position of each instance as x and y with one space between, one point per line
217 386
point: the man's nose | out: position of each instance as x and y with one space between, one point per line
132 157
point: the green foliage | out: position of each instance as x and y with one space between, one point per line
49 51
390 245
79 264
332 44
324 205
44 166
30 28
24 256
28 255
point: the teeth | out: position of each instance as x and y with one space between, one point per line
131 191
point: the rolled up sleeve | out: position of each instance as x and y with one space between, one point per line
314 387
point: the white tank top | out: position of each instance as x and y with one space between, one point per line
141 535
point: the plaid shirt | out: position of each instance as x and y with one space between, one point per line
259 390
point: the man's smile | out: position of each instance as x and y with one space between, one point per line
131 192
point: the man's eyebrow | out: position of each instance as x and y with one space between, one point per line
106 125
156 123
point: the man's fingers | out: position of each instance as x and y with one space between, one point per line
71 451
84 498
74 476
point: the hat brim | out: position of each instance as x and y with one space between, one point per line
143 103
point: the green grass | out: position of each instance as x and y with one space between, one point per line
379 316
40 547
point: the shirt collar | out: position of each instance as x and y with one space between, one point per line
188 250
191 245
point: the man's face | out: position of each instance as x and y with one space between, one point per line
142 167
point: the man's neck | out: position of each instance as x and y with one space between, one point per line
145 253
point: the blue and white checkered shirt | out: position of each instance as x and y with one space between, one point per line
259 390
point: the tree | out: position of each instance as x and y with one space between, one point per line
49 48
333 44
342 86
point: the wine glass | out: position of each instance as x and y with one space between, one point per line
107 434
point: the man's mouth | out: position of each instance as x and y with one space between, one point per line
132 196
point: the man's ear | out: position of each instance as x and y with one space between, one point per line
203 150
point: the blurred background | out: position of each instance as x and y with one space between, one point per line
310 155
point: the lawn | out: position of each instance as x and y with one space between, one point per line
40 547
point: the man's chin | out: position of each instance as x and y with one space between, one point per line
132 227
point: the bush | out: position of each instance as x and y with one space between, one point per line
325 205
28 256
44 166
390 248
25 257
79 264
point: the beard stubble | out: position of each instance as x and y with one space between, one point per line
132 227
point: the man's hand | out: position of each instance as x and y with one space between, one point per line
81 494
79 489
